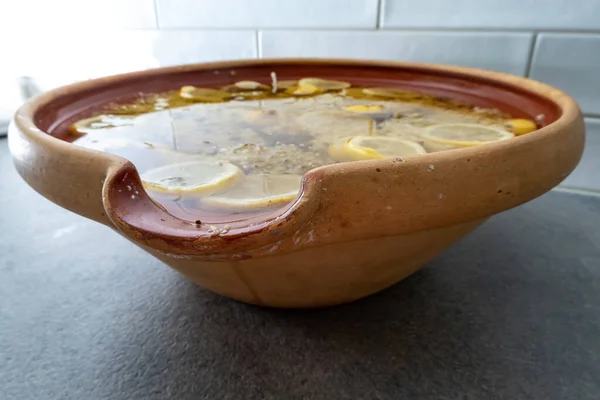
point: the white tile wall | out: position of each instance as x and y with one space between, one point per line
60 41
91 54
267 13
506 52
34 17
570 62
587 173
492 14
192 46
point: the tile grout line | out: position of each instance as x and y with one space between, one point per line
383 29
379 21
530 55
593 32
257 45
156 19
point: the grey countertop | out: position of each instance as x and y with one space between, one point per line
510 312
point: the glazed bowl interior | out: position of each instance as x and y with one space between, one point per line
56 116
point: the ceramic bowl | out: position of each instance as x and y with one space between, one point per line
355 228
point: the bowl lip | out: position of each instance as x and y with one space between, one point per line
301 207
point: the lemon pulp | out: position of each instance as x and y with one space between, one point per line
323 84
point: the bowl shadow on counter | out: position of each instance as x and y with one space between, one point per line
474 314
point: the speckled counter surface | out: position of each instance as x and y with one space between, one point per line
510 312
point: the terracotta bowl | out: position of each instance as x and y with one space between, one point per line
355 228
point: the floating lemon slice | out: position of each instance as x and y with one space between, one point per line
144 155
251 94
521 126
115 143
246 86
323 84
304 90
286 84
465 135
86 125
365 108
199 177
203 94
255 192
374 147
355 93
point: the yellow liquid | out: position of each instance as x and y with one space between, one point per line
275 135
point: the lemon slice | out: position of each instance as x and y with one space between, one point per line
251 95
365 108
144 155
374 147
521 126
355 93
255 192
286 84
246 86
113 144
465 135
323 84
87 125
203 94
199 177
304 90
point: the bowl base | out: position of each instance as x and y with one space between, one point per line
321 276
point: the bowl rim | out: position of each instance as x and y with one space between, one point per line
25 114
303 207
